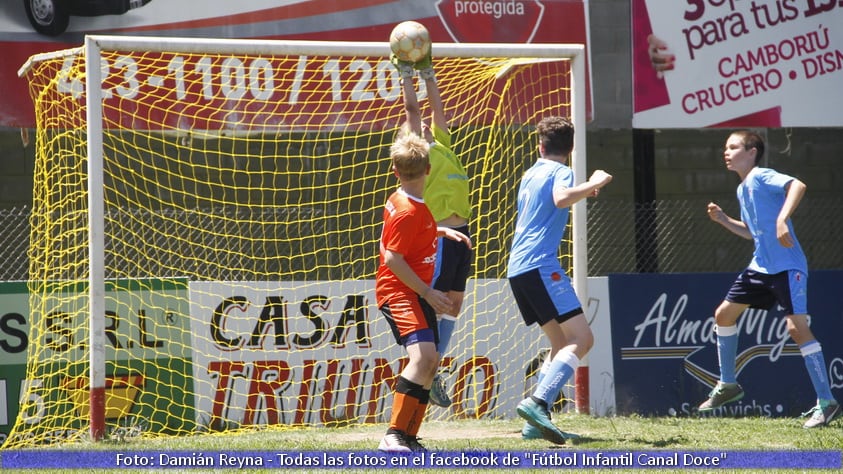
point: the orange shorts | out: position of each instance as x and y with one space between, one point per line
411 316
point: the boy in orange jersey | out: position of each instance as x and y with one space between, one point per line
403 291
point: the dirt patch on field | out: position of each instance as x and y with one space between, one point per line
438 431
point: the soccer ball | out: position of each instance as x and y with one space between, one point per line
410 41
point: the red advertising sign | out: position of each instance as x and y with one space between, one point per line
506 22
253 93
449 21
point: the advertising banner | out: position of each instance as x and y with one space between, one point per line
726 63
665 349
449 21
187 93
321 353
260 353
14 342
146 344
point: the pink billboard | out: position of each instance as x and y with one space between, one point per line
724 63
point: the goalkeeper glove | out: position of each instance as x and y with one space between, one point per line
405 68
425 67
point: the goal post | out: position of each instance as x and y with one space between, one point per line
96 240
205 222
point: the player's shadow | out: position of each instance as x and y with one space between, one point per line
570 442
584 441
663 443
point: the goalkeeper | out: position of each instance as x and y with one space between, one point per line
446 194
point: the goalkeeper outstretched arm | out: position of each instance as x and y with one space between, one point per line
412 108
437 108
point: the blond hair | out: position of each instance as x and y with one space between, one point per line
409 155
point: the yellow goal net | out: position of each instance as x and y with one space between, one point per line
205 231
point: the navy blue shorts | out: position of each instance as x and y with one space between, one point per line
759 290
453 263
544 295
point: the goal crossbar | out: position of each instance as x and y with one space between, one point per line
362 48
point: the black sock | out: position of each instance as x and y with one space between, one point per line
540 402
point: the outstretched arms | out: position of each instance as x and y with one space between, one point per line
437 108
412 107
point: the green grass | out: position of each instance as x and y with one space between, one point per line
631 433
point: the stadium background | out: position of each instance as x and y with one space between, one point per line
669 234
655 207
651 220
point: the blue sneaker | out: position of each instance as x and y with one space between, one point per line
529 432
538 417
721 394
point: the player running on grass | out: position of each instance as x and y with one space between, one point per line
542 289
778 272
402 288
446 195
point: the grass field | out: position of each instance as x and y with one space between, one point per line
597 434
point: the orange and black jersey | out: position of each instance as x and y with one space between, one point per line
409 230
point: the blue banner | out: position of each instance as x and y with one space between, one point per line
551 459
665 351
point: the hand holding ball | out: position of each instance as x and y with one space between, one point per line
410 41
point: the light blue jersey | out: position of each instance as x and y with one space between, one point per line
540 225
761 196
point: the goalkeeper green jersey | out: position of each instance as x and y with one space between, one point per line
446 188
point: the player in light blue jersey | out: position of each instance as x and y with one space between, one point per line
541 287
777 274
